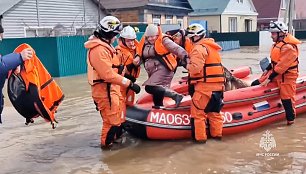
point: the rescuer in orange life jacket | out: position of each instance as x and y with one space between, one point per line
283 68
180 38
105 77
206 73
126 51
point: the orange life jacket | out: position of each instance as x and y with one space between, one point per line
34 92
163 55
276 54
213 70
126 57
92 75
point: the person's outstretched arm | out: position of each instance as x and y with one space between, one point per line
9 62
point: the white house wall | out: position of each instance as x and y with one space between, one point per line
240 22
213 22
68 13
238 8
241 11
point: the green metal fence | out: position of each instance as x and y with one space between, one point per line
300 35
64 56
245 38
45 48
71 55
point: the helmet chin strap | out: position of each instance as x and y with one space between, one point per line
280 38
123 41
193 40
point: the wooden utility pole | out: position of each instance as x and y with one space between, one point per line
99 8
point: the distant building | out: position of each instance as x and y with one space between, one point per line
149 11
36 18
300 22
225 15
275 10
272 10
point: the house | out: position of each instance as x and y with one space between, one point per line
225 15
149 11
272 10
34 18
300 22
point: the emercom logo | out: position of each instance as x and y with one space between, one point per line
267 142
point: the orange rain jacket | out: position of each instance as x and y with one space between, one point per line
100 71
126 56
207 74
187 45
105 85
284 57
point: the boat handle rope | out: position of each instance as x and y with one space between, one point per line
299 81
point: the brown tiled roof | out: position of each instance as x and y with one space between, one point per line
124 4
267 8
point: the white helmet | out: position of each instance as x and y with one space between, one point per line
195 30
278 26
128 32
110 24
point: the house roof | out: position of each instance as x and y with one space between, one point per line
267 10
7 4
208 7
115 4
124 4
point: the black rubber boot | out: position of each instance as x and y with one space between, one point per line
175 96
290 115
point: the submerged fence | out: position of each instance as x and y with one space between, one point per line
62 56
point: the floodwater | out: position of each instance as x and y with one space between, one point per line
73 147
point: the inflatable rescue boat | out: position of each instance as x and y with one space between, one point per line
244 109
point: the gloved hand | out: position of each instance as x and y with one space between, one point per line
137 60
130 77
130 67
184 62
134 87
